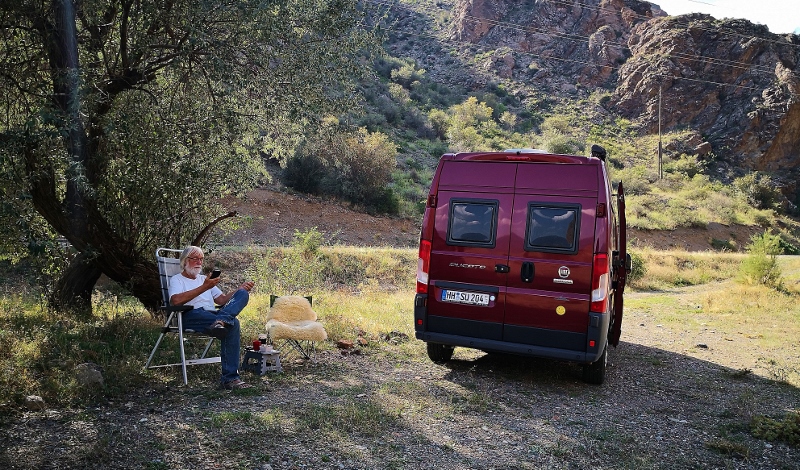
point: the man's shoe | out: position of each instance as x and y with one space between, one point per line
218 330
237 384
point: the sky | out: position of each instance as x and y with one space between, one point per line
780 16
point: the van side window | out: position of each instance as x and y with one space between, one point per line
472 222
553 228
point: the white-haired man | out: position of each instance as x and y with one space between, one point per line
190 287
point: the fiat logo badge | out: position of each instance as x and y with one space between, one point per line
563 271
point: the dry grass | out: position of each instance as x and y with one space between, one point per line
665 269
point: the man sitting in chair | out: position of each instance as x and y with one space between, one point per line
201 293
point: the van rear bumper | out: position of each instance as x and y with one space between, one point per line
506 347
597 330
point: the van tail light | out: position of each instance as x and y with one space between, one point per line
423 266
600 279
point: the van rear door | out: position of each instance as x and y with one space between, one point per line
469 249
621 269
552 244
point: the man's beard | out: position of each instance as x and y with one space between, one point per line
193 271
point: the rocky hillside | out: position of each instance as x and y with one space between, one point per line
735 83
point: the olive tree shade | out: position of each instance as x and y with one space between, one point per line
124 122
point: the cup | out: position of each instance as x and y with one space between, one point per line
256 345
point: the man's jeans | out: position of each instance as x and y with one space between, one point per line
200 319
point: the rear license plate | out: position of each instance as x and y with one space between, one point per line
469 298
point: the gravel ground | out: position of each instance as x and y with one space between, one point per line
389 407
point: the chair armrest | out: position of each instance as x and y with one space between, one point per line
178 308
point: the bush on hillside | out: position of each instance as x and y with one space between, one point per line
355 166
304 172
760 191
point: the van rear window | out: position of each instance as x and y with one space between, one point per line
472 222
553 228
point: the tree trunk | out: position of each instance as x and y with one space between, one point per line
73 291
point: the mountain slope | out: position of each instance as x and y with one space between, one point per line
733 83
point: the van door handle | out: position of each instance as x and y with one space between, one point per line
526 273
501 268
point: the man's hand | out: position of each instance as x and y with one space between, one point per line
208 283
247 285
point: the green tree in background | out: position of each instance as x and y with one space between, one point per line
123 121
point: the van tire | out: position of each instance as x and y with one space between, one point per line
440 353
595 373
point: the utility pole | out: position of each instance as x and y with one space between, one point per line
660 169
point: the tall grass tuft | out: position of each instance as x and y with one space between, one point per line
761 264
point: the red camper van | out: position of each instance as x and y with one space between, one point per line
523 252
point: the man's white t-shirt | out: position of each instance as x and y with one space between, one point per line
179 284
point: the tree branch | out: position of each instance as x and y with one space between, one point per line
201 237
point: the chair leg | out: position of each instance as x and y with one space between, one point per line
208 346
304 348
160 338
169 327
153 352
183 352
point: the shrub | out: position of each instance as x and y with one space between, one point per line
363 167
638 267
686 165
304 172
308 242
355 166
439 121
786 429
761 264
759 190
563 144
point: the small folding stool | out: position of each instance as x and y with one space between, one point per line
260 362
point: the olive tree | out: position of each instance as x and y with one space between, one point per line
124 122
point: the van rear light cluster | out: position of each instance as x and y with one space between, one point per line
423 266
600 279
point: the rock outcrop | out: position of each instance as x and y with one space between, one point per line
732 81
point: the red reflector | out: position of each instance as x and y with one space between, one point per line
419 322
515 158
601 210
591 343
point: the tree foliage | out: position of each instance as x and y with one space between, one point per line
124 122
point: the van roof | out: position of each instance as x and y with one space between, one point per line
519 155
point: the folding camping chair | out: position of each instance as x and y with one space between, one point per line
168 266
293 323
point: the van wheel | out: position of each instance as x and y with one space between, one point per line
595 373
440 352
